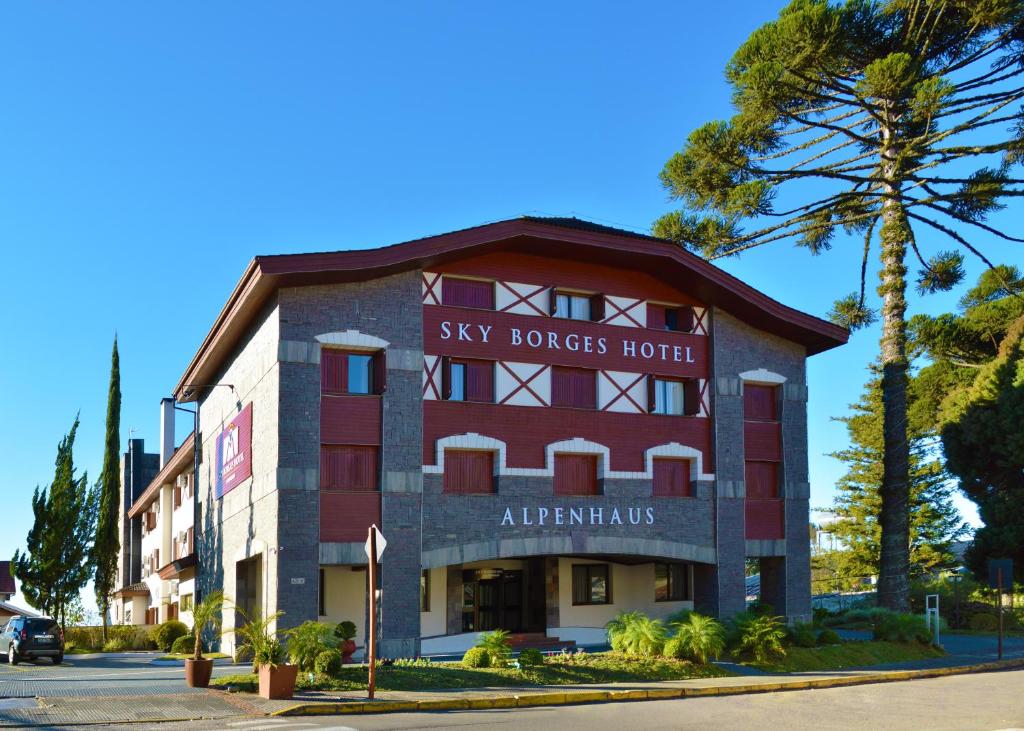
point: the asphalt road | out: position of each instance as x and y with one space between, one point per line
983 702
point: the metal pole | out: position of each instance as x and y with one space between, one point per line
999 607
373 611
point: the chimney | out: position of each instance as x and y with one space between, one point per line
166 430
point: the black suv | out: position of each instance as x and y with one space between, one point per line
29 638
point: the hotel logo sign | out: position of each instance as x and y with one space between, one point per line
589 516
234 452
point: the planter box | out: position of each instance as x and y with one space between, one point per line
197 673
278 682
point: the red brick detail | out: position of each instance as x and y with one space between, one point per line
762 440
671 478
764 519
527 430
345 516
576 474
350 419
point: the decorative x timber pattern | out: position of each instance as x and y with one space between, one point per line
431 288
432 377
623 311
521 294
704 410
522 383
699 316
623 393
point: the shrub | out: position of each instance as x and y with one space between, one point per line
762 638
677 618
86 638
498 646
634 633
983 622
476 657
821 616
307 641
829 637
700 639
895 627
184 645
242 654
327 662
802 634
530 656
116 644
168 632
345 630
761 609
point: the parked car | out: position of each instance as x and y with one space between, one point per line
29 638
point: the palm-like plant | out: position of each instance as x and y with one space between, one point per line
498 646
762 638
307 641
256 633
206 615
634 633
702 637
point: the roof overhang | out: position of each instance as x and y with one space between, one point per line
180 461
130 591
175 568
662 259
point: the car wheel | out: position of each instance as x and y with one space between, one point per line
58 659
12 656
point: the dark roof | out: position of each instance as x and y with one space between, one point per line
6 580
140 588
569 238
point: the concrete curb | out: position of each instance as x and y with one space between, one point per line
571 697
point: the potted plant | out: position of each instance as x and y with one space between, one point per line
276 678
206 614
346 632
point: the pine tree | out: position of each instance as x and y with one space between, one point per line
107 543
895 117
57 562
934 520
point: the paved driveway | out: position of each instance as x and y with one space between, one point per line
120 674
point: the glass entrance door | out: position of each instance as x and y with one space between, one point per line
492 599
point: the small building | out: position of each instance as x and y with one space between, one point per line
550 420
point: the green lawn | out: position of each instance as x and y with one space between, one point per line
602 667
848 655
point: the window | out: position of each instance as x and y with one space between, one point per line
348 467
671 478
758 402
576 474
468 380
591 584
424 590
177 496
342 372
673 397
573 306
761 479
467 293
573 387
671 582
667 317
468 472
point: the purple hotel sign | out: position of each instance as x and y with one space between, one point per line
234 452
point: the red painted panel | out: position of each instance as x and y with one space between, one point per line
479 380
333 370
759 402
568 273
467 293
762 440
468 472
574 387
348 467
527 430
350 419
345 516
671 478
761 479
576 343
765 519
575 474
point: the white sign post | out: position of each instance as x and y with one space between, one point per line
375 545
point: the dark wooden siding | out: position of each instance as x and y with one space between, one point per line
467 472
671 478
574 387
348 468
576 474
467 293
345 516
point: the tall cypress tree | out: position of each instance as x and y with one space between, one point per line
107 544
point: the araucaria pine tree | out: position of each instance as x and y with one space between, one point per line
888 117
107 543
57 562
934 520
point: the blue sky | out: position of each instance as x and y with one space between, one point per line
148 152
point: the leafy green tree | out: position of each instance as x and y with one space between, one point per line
884 117
107 544
57 562
934 520
984 445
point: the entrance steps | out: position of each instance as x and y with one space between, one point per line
539 641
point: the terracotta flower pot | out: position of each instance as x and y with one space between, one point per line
348 648
277 682
197 673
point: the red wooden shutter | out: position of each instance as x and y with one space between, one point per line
352 468
446 377
685 319
597 307
467 293
576 474
333 371
691 397
468 472
573 387
480 381
380 372
762 479
553 301
656 317
652 400
758 402
671 478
